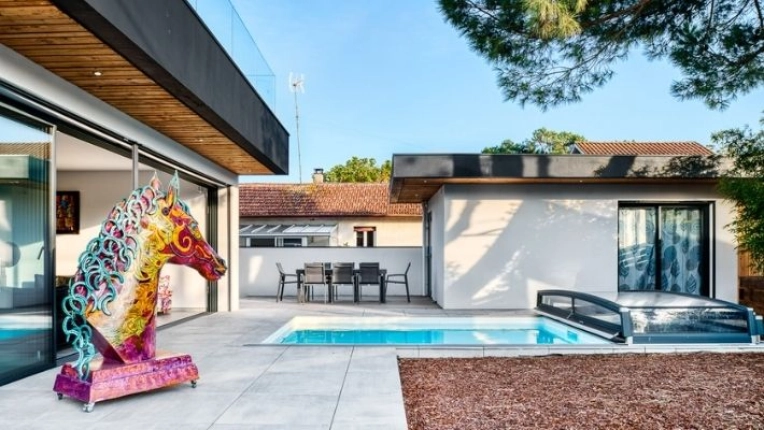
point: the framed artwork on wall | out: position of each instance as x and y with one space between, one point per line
67 212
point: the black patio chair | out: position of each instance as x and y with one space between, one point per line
285 279
400 278
342 274
315 274
369 274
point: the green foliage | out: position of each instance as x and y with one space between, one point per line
542 141
548 52
360 170
745 186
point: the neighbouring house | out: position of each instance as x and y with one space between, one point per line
498 228
95 97
325 214
688 148
294 224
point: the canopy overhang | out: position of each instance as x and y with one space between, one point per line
416 178
157 62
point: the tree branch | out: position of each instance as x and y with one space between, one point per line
758 11
485 12
635 9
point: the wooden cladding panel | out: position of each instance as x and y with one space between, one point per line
41 32
744 266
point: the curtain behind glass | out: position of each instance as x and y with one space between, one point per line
681 250
636 245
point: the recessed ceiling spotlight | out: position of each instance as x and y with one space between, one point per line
97 73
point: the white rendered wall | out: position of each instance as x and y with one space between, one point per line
258 275
391 231
436 206
503 243
228 247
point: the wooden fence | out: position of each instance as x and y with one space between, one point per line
750 283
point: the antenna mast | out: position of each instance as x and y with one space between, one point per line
296 85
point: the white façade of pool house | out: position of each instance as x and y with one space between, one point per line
499 228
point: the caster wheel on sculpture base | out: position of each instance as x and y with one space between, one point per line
193 384
60 396
88 407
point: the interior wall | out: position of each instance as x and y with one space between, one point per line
99 192
503 243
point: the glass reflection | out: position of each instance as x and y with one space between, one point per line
26 322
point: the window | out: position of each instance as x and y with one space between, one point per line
285 235
364 236
663 247
256 242
290 242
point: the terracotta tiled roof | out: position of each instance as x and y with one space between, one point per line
321 200
36 149
643 148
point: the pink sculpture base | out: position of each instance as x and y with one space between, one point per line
109 380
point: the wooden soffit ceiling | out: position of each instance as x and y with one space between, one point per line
38 30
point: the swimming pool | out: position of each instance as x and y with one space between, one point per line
17 334
429 331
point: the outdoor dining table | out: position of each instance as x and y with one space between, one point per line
356 287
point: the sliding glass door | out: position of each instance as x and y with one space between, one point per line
663 247
26 320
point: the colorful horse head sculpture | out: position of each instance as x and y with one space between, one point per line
112 299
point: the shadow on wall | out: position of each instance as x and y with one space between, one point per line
503 251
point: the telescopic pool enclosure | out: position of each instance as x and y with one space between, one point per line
652 317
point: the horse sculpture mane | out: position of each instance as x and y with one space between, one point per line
112 298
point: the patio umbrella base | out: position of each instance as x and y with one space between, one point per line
110 380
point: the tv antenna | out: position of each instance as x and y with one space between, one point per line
296 84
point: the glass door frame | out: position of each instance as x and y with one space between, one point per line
47 253
707 256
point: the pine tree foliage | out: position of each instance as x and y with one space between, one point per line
543 141
549 52
745 187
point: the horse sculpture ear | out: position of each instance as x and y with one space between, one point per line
154 183
173 190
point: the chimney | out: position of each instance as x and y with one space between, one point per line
318 176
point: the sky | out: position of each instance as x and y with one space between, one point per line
384 77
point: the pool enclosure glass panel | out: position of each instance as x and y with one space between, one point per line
652 316
663 247
26 319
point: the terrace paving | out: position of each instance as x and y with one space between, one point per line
246 385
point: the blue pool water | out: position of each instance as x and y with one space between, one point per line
430 337
8 334
429 331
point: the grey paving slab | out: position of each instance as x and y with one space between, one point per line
374 359
361 384
316 383
377 410
288 410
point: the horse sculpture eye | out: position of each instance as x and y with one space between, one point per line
165 211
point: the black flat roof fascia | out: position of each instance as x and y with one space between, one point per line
525 166
168 42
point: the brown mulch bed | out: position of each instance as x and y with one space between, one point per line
628 391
